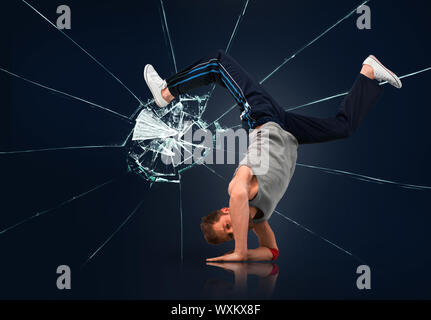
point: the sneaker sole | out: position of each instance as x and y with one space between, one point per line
394 76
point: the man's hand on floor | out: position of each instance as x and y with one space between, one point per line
258 254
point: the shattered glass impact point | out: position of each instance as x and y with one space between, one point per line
159 150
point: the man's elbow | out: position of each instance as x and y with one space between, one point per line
273 255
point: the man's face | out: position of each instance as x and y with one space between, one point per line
223 227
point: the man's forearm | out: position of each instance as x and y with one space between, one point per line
239 212
259 254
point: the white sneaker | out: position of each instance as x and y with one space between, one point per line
155 84
381 73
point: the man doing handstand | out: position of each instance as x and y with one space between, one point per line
253 196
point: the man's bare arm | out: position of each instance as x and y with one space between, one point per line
239 213
266 242
259 254
265 235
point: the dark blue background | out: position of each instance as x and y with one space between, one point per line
386 226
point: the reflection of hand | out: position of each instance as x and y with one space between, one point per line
267 273
229 257
261 269
230 266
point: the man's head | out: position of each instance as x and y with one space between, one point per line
217 227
